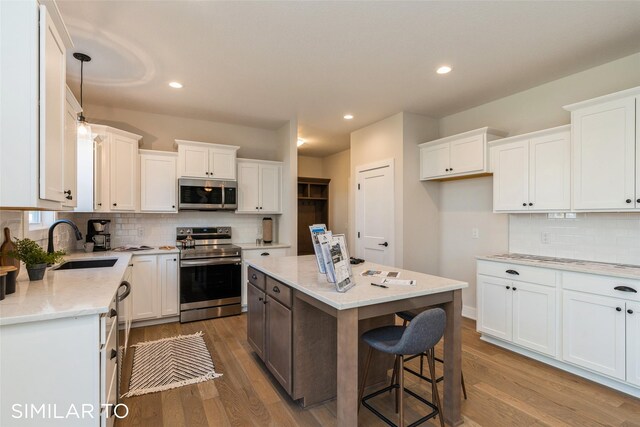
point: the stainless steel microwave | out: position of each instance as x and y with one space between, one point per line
207 195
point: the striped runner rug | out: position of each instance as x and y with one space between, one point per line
169 363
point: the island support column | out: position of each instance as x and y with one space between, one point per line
347 368
453 360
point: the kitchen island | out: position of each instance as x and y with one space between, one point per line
291 308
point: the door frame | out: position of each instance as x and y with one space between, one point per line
390 163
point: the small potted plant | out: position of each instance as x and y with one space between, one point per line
34 257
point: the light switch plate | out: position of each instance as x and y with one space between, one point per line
475 233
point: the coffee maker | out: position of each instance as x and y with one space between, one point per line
98 234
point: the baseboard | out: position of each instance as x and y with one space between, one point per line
469 312
151 322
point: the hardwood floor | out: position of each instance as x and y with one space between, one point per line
505 389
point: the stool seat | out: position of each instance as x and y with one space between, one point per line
407 316
385 338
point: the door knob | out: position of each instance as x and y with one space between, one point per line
385 244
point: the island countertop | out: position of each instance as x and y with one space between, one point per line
65 293
301 273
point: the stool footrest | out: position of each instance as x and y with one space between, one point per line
427 417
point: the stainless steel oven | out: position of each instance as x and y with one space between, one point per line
210 273
207 194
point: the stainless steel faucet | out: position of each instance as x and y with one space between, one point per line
54 225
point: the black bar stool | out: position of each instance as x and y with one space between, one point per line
407 316
422 334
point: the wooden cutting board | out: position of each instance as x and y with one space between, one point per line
7 246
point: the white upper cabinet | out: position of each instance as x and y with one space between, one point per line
158 181
204 160
115 171
457 156
72 109
259 186
33 106
605 152
532 172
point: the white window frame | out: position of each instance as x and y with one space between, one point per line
38 231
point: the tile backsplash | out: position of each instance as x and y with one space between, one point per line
160 229
606 237
62 235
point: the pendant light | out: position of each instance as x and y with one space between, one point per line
83 126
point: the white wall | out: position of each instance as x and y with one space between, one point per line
337 168
467 204
159 131
287 138
311 167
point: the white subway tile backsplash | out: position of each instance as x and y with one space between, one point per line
606 237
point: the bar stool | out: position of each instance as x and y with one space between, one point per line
408 316
422 334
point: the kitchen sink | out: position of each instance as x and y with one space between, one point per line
86 263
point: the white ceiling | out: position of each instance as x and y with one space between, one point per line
261 63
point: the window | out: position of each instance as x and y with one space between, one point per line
35 218
36 224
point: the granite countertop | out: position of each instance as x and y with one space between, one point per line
301 273
582 266
65 293
250 246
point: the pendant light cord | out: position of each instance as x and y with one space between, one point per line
81 80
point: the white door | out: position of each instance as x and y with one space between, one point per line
534 317
70 154
100 175
604 155
53 74
375 215
270 188
144 288
633 342
510 165
550 172
594 333
123 177
222 164
193 161
248 187
157 183
495 307
168 278
467 155
434 160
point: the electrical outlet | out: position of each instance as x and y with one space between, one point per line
545 237
140 232
475 233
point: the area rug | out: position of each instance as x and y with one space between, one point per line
169 363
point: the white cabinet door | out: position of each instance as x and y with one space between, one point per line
495 307
434 161
53 75
222 164
633 343
510 163
550 172
467 155
70 151
168 278
123 178
248 187
594 333
534 317
158 183
144 287
193 161
604 156
270 184
100 176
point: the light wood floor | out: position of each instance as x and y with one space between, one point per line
504 389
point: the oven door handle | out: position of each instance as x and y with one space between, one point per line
213 261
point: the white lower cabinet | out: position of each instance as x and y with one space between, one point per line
594 333
519 312
155 286
633 343
252 254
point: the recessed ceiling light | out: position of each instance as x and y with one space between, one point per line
348 116
301 142
175 85
444 69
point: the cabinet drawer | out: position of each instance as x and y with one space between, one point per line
602 285
255 277
279 291
523 273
